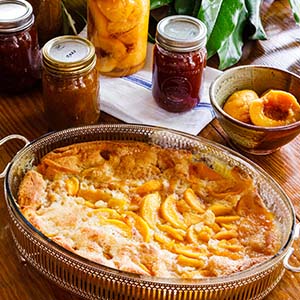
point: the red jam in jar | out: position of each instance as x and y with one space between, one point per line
179 59
20 59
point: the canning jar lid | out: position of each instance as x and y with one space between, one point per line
68 55
181 33
15 15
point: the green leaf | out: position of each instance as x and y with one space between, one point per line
196 8
253 7
68 22
159 3
225 24
295 6
74 15
231 50
208 14
184 7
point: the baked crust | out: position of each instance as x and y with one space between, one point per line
148 210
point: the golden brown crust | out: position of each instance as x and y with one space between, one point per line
31 189
149 210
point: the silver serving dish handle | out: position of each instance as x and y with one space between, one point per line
8 138
290 252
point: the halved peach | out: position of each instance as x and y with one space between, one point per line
237 105
275 108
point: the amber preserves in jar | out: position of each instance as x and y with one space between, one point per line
119 31
48 14
70 82
19 50
179 59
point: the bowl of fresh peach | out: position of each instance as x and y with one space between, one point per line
258 107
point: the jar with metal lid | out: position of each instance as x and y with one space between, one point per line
20 59
179 59
70 82
49 18
119 31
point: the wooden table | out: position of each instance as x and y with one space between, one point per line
23 114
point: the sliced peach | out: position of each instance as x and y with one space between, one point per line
72 186
237 105
116 10
171 214
119 225
175 233
135 221
148 187
191 218
226 235
119 203
110 51
124 24
131 37
227 219
220 209
190 262
94 195
191 235
275 108
193 201
191 251
164 240
136 54
105 213
149 208
99 20
202 171
205 233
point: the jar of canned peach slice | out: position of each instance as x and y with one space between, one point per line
119 31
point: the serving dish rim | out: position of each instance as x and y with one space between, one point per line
257 270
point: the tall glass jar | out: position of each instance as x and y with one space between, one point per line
119 31
70 82
179 59
48 15
19 49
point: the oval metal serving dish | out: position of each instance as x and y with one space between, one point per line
94 281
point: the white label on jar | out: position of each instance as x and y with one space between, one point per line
69 51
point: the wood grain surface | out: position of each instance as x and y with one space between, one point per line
23 114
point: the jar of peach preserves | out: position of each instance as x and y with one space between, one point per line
70 82
119 31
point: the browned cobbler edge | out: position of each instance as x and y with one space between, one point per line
148 210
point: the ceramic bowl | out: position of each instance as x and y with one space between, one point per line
247 137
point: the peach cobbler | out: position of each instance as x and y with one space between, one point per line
149 210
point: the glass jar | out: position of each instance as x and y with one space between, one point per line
179 59
48 14
70 82
20 58
119 31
